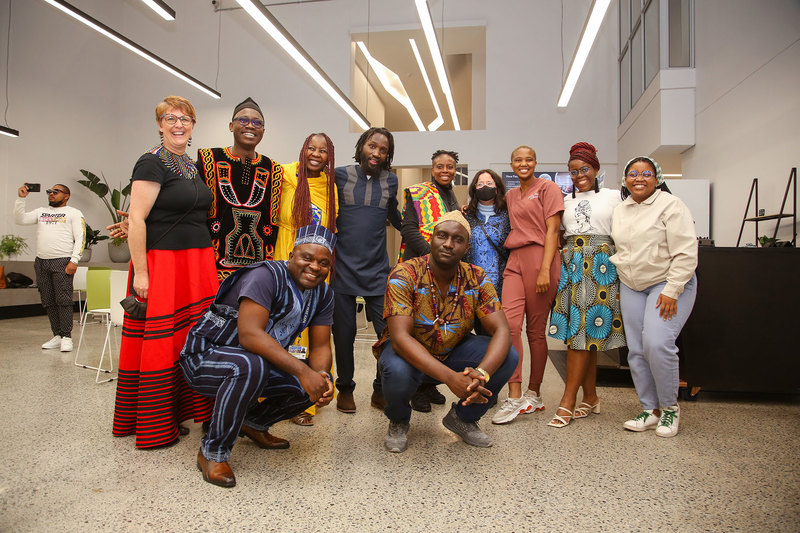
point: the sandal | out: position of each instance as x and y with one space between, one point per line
558 421
304 419
584 409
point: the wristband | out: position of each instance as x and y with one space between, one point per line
486 375
326 374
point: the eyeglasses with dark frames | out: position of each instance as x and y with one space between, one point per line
55 191
244 121
171 119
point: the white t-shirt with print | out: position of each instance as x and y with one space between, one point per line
590 212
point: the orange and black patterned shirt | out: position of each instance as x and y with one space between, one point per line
412 291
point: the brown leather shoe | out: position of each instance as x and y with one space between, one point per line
345 402
264 439
378 401
215 473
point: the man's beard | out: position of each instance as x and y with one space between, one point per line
53 203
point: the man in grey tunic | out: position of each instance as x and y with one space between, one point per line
367 199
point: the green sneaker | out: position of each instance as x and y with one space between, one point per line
646 420
668 424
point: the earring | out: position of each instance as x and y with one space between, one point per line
596 186
573 191
161 136
190 142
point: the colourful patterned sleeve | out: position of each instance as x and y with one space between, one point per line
400 289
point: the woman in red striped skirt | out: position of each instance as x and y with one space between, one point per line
172 269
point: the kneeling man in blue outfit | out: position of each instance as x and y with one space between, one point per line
237 352
430 307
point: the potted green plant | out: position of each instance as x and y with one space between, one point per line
92 237
10 246
767 242
113 199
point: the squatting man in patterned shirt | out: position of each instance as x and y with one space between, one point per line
430 307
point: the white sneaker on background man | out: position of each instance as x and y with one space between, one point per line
66 344
55 342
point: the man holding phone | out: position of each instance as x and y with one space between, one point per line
60 239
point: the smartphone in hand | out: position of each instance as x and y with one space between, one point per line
33 187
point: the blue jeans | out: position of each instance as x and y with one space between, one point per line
400 379
652 354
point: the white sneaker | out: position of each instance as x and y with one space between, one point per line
668 424
55 342
644 421
66 344
510 409
535 401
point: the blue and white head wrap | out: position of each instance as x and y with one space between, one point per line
315 234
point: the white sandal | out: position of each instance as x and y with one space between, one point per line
584 409
558 421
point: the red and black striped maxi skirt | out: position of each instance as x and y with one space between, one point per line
152 394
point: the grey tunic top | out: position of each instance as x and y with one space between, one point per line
362 264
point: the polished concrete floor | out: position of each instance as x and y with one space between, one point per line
734 466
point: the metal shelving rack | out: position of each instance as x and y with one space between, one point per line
792 183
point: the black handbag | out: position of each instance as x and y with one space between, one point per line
135 307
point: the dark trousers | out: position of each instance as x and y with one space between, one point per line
55 289
344 336
236 379
401 379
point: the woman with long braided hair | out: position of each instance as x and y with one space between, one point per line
308 196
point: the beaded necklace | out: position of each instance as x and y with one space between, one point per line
182 164
439 319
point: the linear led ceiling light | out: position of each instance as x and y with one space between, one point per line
393 85
120 39
438 121
275 30
160 7
433 45
11 132
590 28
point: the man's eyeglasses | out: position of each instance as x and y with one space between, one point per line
54 191
171 119
644 174
244 121
584 170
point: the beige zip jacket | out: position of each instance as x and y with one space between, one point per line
656 241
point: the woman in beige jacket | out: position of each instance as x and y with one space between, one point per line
656 259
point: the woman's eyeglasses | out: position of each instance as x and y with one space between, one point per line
584 170
171 119
644 174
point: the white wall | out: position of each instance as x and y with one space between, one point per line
748 108
81 101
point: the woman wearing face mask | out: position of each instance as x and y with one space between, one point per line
586 314
488 218
656 259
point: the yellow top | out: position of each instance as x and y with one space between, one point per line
318 189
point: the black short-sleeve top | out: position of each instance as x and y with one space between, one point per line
177 196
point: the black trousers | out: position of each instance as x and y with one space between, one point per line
55 288
344 336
